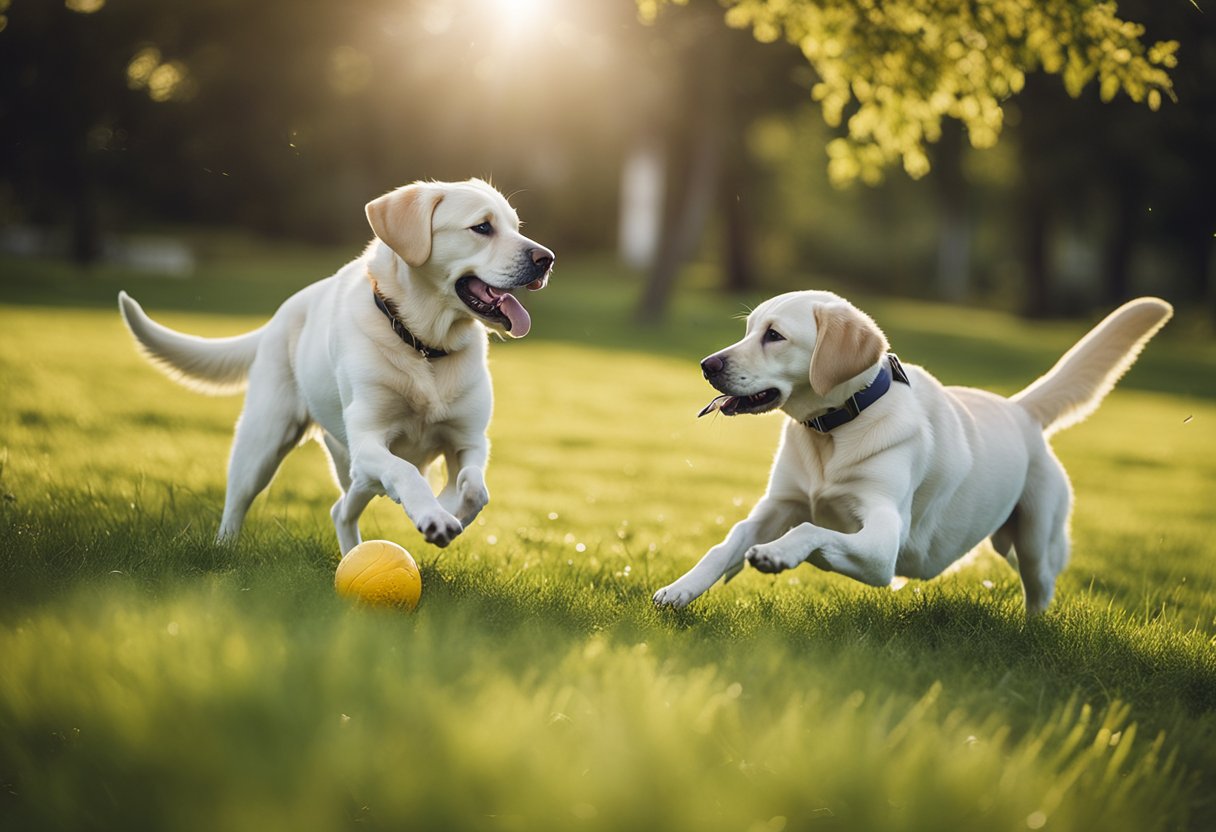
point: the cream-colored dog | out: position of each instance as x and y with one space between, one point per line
883 471
383 362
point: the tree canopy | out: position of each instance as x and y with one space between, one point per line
890 71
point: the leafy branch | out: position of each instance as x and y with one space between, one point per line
890 71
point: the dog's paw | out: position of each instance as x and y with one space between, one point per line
769 558
439 528
675 596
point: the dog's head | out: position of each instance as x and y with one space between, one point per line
800 353
462 239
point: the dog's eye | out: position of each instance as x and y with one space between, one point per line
483 228
771 334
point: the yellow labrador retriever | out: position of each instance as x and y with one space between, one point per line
384 361
883 471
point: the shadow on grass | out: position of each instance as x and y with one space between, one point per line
977 645
1080 645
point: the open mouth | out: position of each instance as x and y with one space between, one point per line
760 402
497 306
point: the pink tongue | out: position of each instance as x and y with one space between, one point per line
517 315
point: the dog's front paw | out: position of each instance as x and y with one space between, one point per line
439 528
676 596
769 558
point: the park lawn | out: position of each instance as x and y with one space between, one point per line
151 679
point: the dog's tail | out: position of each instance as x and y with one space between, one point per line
209 365
1076 385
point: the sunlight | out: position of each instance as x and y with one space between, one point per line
517 14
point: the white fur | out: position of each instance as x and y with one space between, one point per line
329 365
922 476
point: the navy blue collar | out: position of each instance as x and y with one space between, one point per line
862 399
390 311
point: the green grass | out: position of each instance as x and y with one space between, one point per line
150 679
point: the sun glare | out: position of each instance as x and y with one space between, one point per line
517 14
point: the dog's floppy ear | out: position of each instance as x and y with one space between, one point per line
402 220
846 343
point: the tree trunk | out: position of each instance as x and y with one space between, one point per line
684 231
739 276
1037 302
640 225
1120 242
954 233
701 133
85 215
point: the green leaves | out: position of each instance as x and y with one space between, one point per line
890 71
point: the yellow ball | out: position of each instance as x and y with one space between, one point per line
379 573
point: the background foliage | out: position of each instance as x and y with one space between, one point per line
287 116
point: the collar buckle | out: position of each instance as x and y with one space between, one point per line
891 370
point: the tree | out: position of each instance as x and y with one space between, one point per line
56 119
718 81
285 116
890 71
1140 180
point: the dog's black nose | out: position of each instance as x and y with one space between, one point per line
542 258
713 365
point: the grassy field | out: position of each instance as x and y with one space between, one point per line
150 679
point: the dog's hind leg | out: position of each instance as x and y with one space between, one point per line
339 461
1002 540
1042 554
272 423
347 510
1040 535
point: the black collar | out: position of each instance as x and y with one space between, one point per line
390 311
862 399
